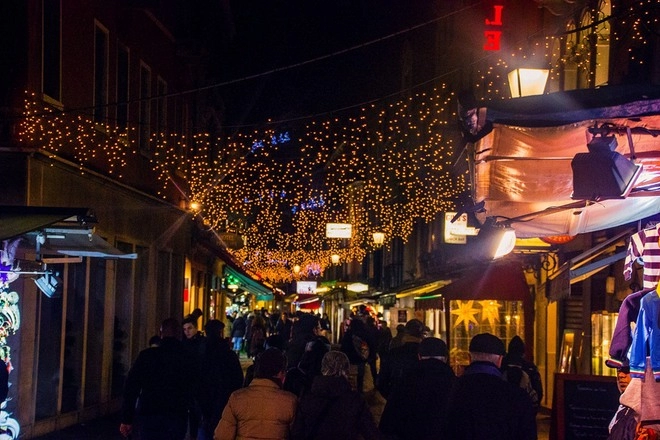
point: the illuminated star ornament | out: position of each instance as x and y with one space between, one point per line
490 311
465 313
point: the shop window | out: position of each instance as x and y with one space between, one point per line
95 331
504 319
602 329
124 300
50 345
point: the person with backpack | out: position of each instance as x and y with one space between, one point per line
355 344
400 360
519 371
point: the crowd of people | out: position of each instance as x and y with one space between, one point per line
300 386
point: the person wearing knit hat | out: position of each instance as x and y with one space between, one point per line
522 372
416 407
331 409
483 404
262 409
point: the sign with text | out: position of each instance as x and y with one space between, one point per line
582 406
493 31
338 230
305 287
455 233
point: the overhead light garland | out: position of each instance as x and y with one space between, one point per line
380 170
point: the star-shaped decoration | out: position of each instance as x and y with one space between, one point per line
490 311
465 313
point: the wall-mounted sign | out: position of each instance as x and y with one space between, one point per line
338 230
455 233
493 31
305 287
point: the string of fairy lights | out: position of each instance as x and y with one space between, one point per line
380 167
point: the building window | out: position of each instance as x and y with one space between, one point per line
603 45
145 108
123 72
504 319
161 107
100 74
52 49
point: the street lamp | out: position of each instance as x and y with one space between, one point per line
379 238
527 82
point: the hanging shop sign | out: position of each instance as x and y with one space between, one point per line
493 31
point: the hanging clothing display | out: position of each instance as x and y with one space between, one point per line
646 339
644 244
623 335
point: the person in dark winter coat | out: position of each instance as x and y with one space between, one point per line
283 326
220 375
514 363
482 404
358 329
304 330
416 407
299 379
238 329
400 360
163 385
331 410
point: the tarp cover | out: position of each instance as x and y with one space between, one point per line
523 166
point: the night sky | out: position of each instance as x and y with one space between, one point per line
327 55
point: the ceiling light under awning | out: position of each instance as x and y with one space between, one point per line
74 242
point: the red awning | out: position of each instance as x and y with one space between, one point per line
308 301
504 281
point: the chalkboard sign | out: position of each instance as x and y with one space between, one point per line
583 406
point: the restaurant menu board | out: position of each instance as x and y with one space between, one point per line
583 406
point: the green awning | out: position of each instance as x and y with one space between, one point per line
245 282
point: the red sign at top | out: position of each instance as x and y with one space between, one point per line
492 33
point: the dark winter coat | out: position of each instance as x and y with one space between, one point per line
416 407
161 381
220 375
483 405
357 328
331 410
238 327
399 361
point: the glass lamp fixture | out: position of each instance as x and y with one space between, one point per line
296 269
334 258
527 82
379 238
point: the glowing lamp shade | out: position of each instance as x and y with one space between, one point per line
496 241
527 82
379 238
334 258
296 269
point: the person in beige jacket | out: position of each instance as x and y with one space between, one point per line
262 410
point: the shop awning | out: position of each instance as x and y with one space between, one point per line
261 290
72 242
504 281
587 264
308 301
421 289
18 220
245 282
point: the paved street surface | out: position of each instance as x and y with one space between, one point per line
107 428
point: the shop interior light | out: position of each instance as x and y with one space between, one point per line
603 173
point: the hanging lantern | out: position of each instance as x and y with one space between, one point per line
379 238
334 258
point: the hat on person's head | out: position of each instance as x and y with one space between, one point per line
270 363
516 345
414 327
487 343
335 363
433 347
